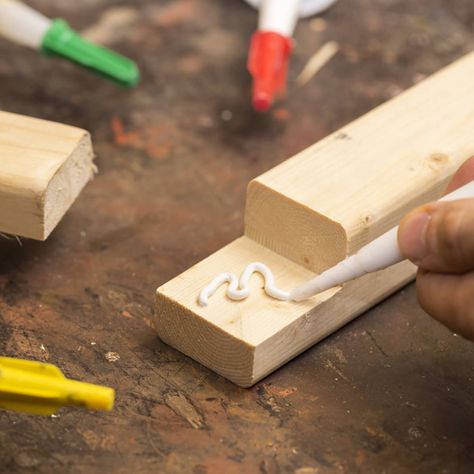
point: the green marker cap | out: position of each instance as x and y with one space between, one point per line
62 40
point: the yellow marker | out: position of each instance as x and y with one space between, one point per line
36 387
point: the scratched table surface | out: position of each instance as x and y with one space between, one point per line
392 392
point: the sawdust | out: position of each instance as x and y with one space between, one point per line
316 62
112 356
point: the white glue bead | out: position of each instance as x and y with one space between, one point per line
240 289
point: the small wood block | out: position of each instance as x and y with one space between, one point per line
246 340
43 168
312 211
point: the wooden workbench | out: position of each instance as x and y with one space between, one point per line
391 392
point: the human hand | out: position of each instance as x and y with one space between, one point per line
439 238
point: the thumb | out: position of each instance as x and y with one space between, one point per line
439 237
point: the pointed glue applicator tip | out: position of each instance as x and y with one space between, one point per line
310 288
261 102
62 40
297 294
91 396
104 399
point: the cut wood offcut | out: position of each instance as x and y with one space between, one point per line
310 212
43 167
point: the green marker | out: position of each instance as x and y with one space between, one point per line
23 25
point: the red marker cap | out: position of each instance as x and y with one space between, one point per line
268 65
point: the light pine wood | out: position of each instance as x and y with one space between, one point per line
43 167
309 213
246 340
342 192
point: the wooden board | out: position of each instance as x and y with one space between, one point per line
246 340
342 192
43 167
310 212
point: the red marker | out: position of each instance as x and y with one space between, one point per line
272 43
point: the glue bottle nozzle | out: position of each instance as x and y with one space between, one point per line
62 40
40 388
268 64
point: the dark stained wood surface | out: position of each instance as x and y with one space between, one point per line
390 393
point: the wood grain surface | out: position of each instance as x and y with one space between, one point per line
347 189
43 167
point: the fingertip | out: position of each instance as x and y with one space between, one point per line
464 175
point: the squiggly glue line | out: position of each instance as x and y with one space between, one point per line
240 289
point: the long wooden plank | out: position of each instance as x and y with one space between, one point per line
342 192
312 211
43 167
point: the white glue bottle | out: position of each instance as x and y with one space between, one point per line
271 45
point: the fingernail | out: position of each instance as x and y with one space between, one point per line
412 236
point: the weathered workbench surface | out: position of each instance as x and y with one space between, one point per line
391 392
